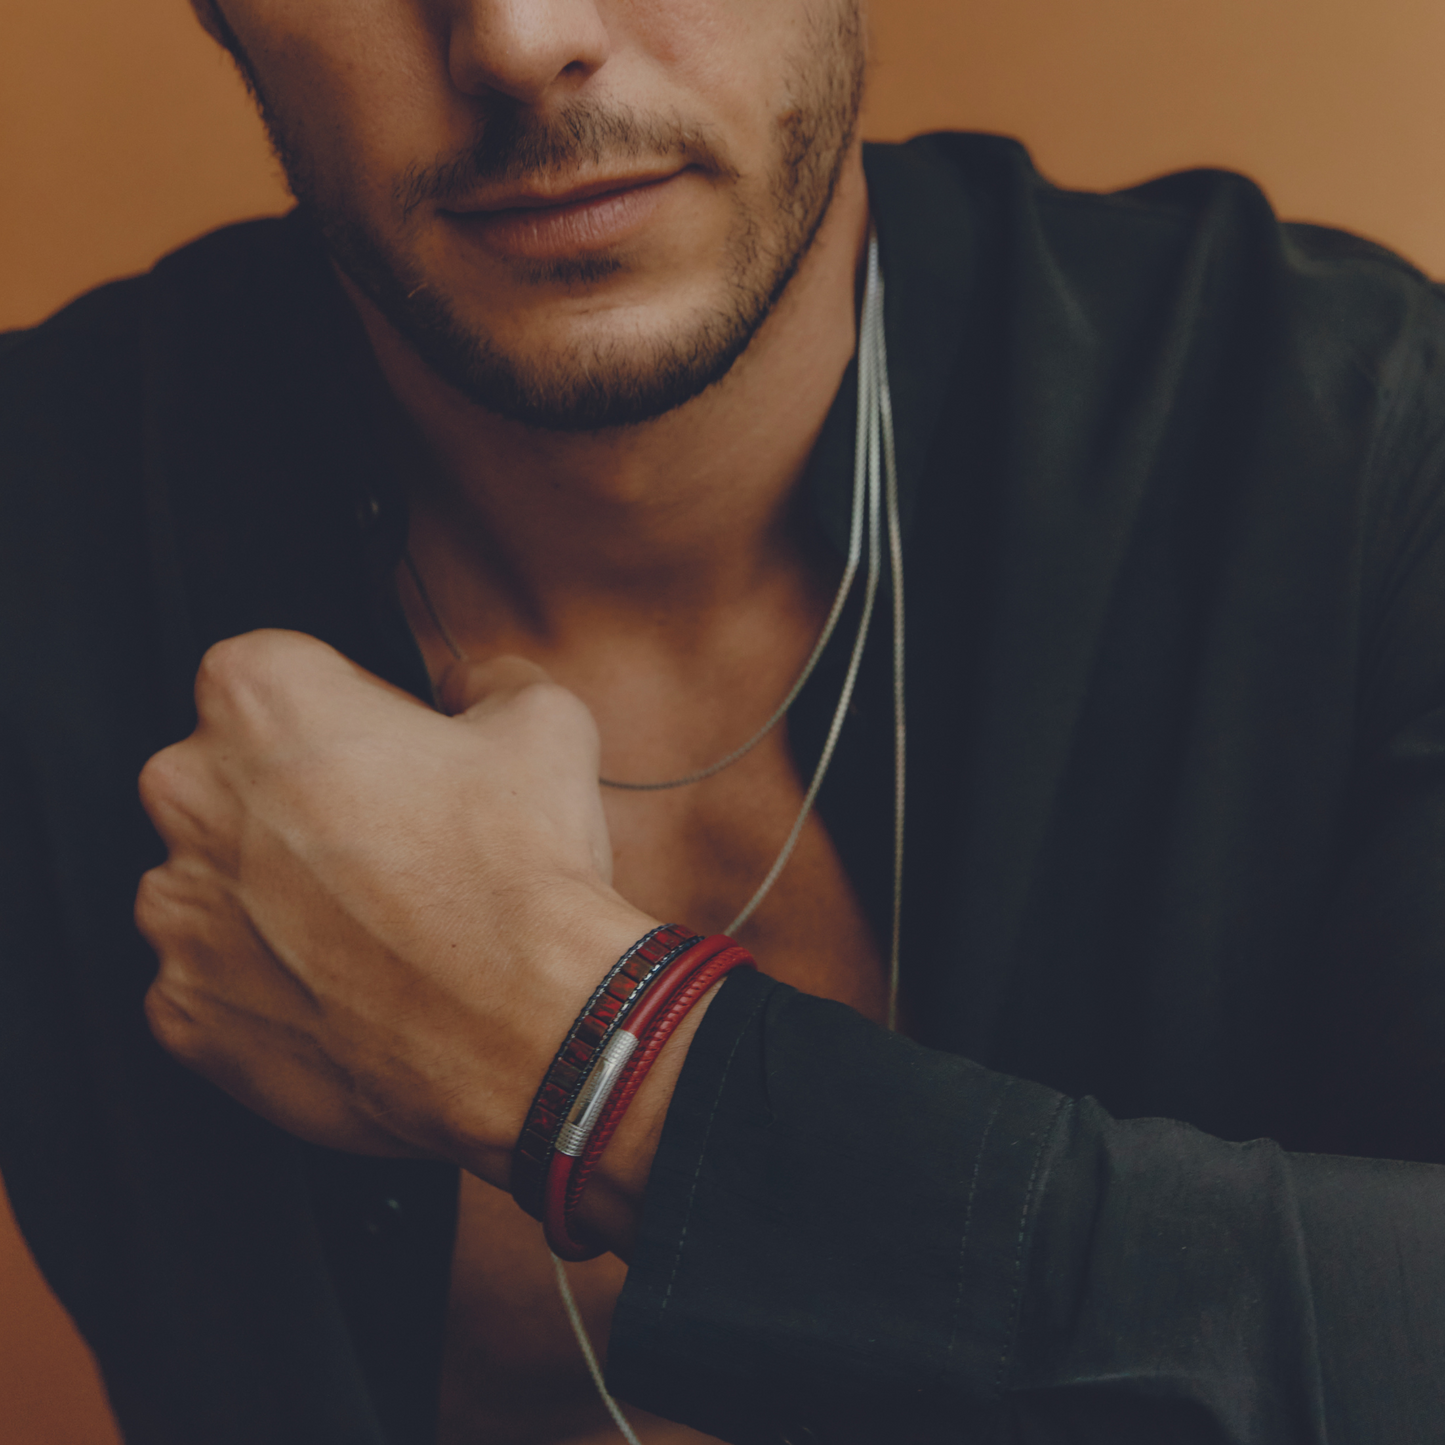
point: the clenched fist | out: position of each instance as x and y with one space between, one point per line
376 921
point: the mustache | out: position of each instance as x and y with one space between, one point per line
514 144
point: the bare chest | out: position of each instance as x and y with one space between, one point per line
513 1369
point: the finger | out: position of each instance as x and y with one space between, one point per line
158 784
466 683
252 665
170 786
258 670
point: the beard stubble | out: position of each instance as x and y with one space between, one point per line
607 384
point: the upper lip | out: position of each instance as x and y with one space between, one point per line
529 198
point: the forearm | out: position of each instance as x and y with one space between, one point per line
847 1232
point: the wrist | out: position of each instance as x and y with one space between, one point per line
580 934
595 1077
612 1204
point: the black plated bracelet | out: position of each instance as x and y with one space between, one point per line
626 982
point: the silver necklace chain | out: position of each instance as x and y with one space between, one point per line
874 471
778 714
874 455
875 489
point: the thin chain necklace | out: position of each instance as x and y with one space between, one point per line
875 436
779 713
875 485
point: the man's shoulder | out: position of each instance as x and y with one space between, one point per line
96 340
1001 169
69 413
75 390
94 330
1218 223
1189 275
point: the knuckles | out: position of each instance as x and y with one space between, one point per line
229 668
242 668
177 791
520 697
155 906
171 1025
162 782
162 917
244 689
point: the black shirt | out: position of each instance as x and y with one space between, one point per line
1176 841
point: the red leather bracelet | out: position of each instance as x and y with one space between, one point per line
649 1025
653 1022
623 986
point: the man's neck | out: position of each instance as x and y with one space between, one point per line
567 532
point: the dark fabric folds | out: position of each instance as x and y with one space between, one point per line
766 1293
1175 495
851 1238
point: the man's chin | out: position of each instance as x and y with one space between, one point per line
573 399
591 385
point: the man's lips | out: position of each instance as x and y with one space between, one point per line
536 199
537 226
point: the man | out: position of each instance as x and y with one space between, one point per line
542 408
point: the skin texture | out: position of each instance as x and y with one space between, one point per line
376 922
286 915
549 98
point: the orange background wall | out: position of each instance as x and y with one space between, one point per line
123 132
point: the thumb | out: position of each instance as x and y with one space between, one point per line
467 684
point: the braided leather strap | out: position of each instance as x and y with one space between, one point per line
635 1048
624 984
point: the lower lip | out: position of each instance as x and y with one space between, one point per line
551 233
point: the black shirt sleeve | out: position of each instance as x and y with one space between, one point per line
849 1238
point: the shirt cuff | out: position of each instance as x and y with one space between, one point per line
835 1231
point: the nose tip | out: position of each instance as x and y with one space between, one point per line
526 49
